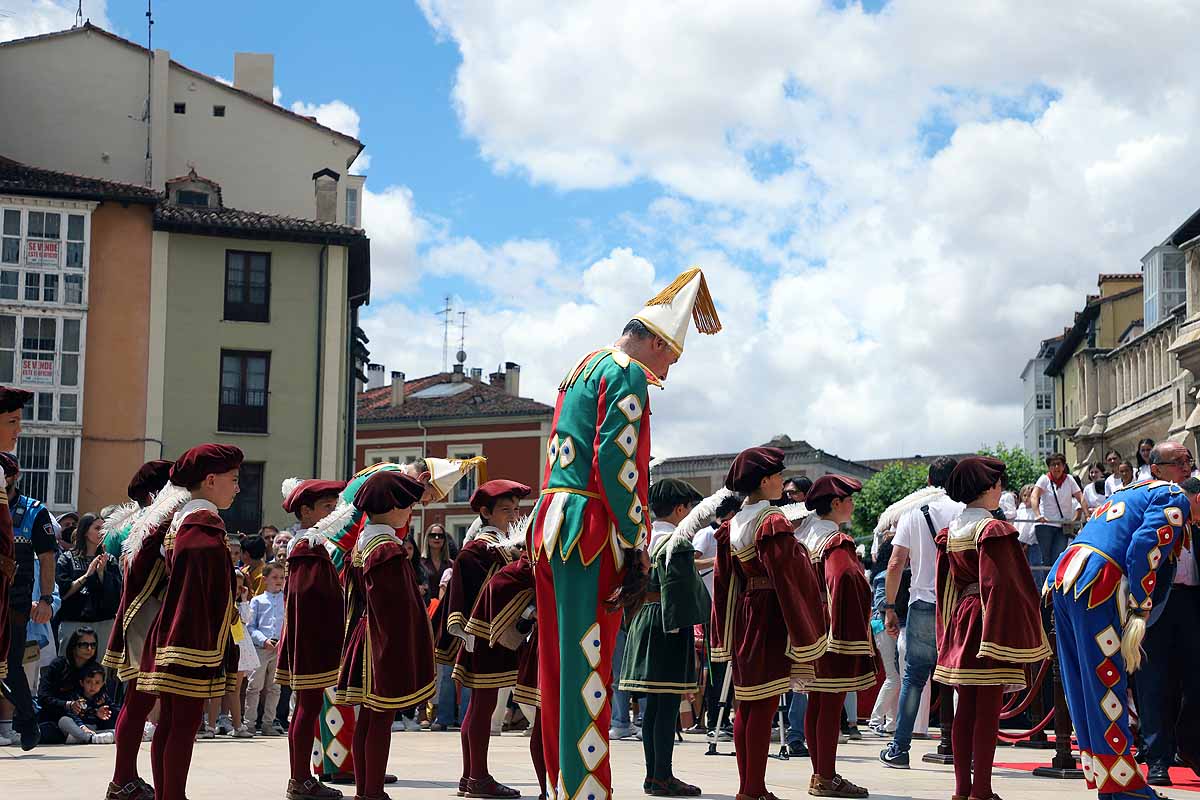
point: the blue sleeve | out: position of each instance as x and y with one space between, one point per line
257 636
1161 529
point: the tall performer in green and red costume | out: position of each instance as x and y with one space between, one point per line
589 523
189 655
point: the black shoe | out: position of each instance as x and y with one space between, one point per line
1159 776
30 736
798 750
891 756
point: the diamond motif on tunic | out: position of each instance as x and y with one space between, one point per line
552 448
628 475
590 644
1122 772
1108 674
1111 706
1153 557
553 520
1108 641
562 793
1085 762
1165 534
1174 516
1099 773
566 452
1115 512
591 789
1148 583
631 407
1115 739
592 747
627 440
635 510
594 693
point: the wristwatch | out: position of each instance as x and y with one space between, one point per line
47 599
889 606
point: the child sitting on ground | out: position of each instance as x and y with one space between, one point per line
93 715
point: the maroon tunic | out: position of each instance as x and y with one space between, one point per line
189 650
310 647
988 622
501 620
766 604
387 657
8 568
145 581
848 665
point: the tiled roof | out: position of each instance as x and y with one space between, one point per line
479 400
89 27
796 451
250 224
1120 276
18 178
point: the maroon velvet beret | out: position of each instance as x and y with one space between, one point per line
830 486
203 460
307 493
490 492
751 466
12 399
9 462
386 490
149 480
973 476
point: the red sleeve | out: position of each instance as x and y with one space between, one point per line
724 593
849 602
797 588
202 574
1012 621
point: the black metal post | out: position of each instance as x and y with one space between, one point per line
945 749
1063 765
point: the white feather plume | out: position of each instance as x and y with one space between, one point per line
473 531
892 514
335 520
701 514
795 511
169 500
289 486
121 516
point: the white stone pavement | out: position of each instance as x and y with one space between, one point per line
428 767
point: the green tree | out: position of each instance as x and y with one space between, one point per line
1023 468
893 482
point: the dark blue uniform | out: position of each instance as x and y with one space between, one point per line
1109 571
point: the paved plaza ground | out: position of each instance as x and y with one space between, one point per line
428 764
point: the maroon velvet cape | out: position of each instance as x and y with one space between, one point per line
145 577
310 647
848 665
501 605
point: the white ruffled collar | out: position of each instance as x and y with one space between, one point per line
963 526
742 528
814 532
370 532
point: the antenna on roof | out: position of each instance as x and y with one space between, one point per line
445 314
462 336
149 89
78 16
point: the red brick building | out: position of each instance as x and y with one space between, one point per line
455 415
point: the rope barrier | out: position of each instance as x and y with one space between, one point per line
1009 737
1034 690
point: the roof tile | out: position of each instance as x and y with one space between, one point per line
483 400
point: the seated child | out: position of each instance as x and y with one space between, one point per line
91 715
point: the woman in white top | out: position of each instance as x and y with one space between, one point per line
1025 519
1093 488
1143 459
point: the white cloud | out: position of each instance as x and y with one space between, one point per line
21 18
396 232
931 190
334 114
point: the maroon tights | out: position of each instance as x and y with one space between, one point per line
131 724
822 726
171 751
976 721
303 731
477 733
752 743
535 751
372 741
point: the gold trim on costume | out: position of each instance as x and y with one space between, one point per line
1025 655
569 490
494 680
980 677
857 683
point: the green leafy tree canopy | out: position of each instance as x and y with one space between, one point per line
1023 468
885 487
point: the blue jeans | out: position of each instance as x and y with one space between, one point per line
920 659
620 700
795 717
447 704
1052 540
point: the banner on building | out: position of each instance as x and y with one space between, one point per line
35 370
41 253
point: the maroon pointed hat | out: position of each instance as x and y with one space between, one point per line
12 399
831 486
973 476
203 460
492 491
386 490
751 466
307 493
149 480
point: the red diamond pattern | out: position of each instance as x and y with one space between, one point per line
1115 739
1165 534
1108 674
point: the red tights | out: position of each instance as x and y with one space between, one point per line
131 724
477 733
303 731
822 726
976 721
372 741
535 751
752 743
171 751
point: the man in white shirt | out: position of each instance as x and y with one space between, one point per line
913 544
1053 497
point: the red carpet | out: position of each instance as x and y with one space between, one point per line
1183 777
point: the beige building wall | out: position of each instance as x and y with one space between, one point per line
85 116
195 334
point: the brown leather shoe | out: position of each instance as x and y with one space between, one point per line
837 786
489 787
136 789
311 789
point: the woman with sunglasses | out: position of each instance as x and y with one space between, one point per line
438 552
59 684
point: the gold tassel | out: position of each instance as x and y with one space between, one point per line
478 462
704 311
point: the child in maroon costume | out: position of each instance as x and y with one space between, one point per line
848 664
477 664
387 658
310 645
988 622
766 610
189 655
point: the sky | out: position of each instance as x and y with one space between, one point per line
893 202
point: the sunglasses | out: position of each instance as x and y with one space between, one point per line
437 536
89 645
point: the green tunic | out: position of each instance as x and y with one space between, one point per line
660 656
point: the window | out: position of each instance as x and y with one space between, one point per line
1163 283
69 370
244 391
218 111
10 245
38 339
352 207
189 197
75 241
44 225
33 454
48 469
181 108
245 515
8 348
64 471
10 284
72 289
247 286
393 456
466 487
1043 402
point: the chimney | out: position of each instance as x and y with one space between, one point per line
496 379
325 192
397 389
457 375
512 378
255 73
375 376
476 374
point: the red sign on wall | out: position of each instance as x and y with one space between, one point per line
41 253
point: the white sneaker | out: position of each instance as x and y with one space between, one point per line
411 724
5 741
103 737
398 726
243 732
148 731
206 733
73 739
